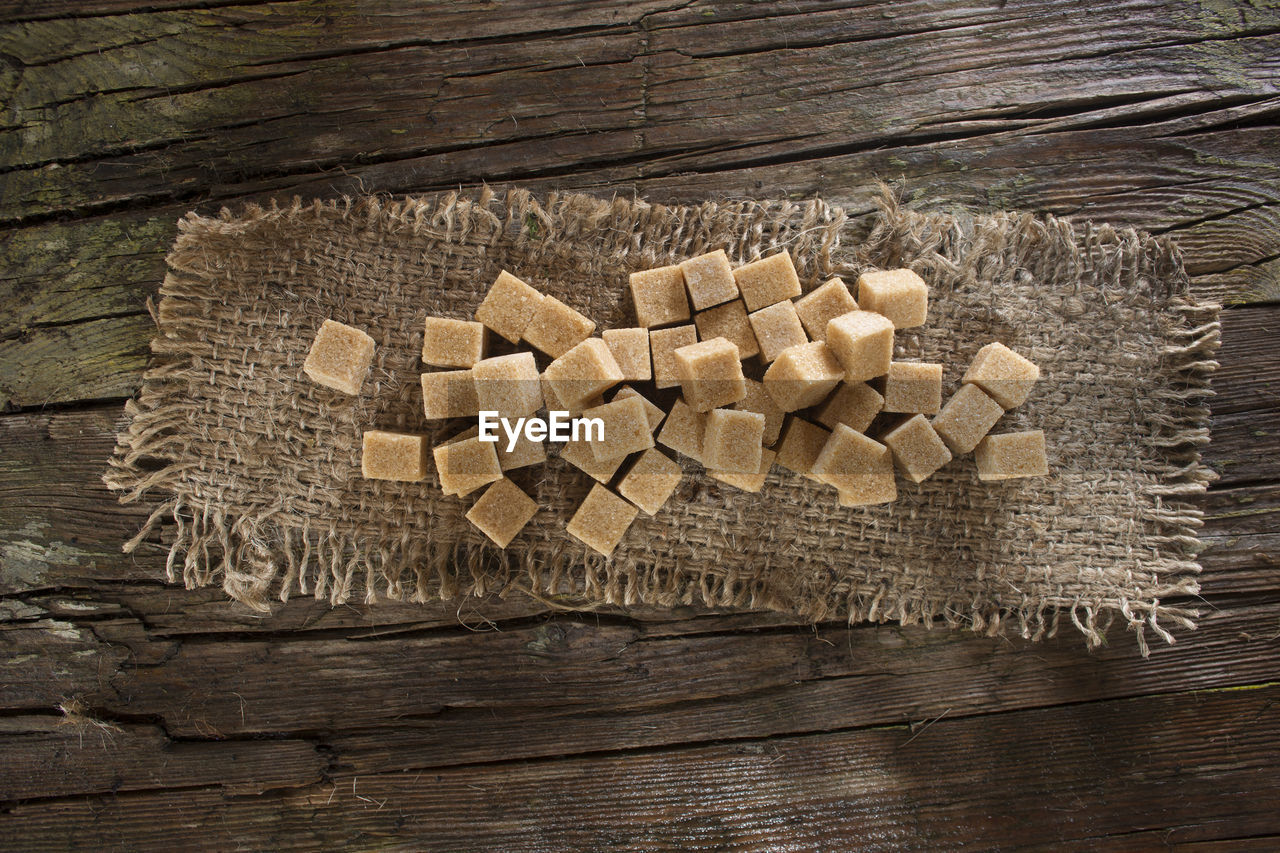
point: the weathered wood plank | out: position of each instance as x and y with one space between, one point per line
1038 777
180 127
616 679
77 754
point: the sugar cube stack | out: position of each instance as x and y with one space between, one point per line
736 369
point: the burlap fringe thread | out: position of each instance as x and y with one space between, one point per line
252 552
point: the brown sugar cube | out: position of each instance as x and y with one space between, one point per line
452 343
1010 455
732 441
393 456
339 357
802 376
663 343
863 341
524 453
876 486
579 455
900 295
683 430
508 384
777 328
748 482
854 404
467 464
509 306
556 328
757 399
553 399
709 279
767 281
659 297
966 418
728 321
913 386
449 394
856 466
822 305
586 371
802 443
625 428
917 449
602 520
502 512
650 480
710 374
630 348
1006 376
654 413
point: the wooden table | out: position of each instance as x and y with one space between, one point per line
139 715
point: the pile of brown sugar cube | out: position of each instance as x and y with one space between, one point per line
825 367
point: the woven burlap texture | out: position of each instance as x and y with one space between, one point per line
259 468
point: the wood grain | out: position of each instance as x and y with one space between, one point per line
137 715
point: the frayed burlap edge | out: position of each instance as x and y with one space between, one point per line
252 555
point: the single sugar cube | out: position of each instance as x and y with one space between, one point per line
556 328
863 341
339 357
918 450
857 466
728 321
652 411
553 400
683 430
586 371
854 404
876 486
767 281
502 512
664 343
966 418
630 348
913 386
709 279
732 441
777 328
602 520
659 297
900 295
508 384
748 482
802 443
650 480
579 455
757 399
802 376
710 374
449 394
625 428
452 343
822 305
465 465
509 306
1003 374
526 451
1010 455
393 456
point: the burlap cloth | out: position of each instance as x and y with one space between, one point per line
259 468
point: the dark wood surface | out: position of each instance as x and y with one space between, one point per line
137 715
